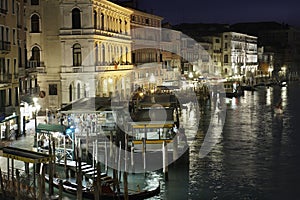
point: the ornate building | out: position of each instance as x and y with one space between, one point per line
82 49
146 49
239 52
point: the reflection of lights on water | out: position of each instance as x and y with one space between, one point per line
268 97
283 95
153 180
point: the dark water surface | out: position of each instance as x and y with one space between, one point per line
257 155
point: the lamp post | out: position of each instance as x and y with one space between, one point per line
36 108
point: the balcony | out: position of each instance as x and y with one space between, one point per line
35 66
4 47
102 67
3 11
5 78
30 91
8 110
98 68
89 31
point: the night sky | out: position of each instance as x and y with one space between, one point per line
224 11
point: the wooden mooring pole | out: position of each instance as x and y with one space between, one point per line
165 160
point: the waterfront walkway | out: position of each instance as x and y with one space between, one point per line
22 142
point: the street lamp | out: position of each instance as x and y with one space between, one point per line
36 108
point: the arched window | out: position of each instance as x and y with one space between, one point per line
76 55
78 90
35 55
70 93
95 19
35 23
76 19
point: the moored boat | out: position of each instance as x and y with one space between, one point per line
107 192
233 89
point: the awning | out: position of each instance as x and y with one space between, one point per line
5 119
46 128
91 104
25 155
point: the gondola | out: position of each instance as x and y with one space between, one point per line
107 192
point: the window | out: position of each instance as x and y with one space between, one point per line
70 93
2 98
35 23
35 55
14 36
76 21
8 66
13 7
102 21
15 66
17 96
34 2
7 34
225 58
217 41
78 91
76 55
52 89
9 96
2 66
95 19
225 47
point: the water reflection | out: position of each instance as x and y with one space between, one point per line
257 155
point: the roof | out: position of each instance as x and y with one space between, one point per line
25 155
91 104
50 128
154 115
166 100
170 87
4 117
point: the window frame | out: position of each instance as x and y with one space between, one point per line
52 89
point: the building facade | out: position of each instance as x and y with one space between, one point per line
146 50
83 50
239 54
12 65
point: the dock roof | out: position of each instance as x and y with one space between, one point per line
25 155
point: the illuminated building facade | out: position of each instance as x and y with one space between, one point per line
83 50
239 52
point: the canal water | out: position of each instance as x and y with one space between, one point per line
256 156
